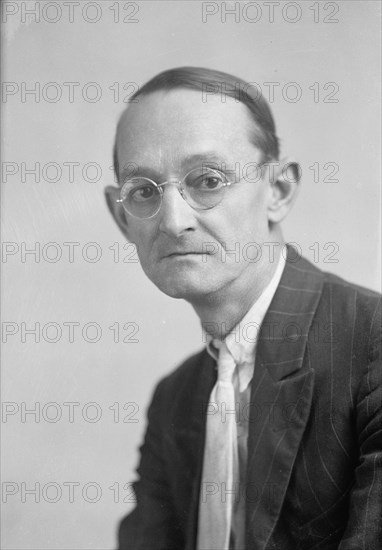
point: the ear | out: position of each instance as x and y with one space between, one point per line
283 188
116 208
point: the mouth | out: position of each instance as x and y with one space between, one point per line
178 254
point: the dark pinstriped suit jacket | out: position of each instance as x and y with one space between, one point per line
314 446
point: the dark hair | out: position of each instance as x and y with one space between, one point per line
208 82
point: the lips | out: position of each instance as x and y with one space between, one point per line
183 253
176 249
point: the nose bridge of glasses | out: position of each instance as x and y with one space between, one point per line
171 181
176 182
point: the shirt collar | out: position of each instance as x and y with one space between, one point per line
242 340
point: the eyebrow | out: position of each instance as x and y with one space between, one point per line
208 156
197 159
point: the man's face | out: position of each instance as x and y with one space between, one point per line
167 134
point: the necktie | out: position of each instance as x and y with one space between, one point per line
220 460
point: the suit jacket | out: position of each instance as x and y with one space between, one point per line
314 445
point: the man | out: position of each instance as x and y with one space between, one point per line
266 438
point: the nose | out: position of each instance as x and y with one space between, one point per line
176 216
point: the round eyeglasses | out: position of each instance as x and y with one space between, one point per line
202 188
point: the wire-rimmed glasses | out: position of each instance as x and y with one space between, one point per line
202 188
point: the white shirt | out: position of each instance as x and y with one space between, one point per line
241 342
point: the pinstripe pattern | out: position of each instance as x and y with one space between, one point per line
314 445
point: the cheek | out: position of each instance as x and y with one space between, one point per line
245 221
143 251
140 234
253 214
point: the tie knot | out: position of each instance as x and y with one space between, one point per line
226 363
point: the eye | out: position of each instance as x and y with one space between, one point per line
206 181
211 181
142 193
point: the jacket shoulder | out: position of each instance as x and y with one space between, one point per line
354 301
338 285
345 288
344 295
185 373
353 310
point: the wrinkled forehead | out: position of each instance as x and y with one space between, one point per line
165 128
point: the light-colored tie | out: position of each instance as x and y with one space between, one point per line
220 464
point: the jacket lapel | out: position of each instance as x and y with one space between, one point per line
281 394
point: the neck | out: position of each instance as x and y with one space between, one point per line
222 310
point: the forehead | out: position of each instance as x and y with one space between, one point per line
165 128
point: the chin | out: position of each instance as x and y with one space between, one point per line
183 286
